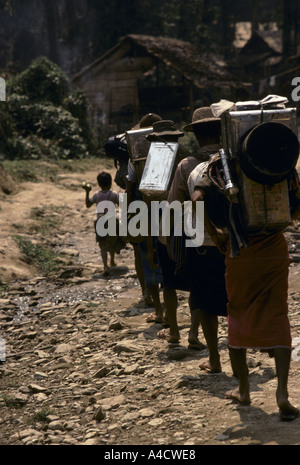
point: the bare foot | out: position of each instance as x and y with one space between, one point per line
236 396
155 318
209 367
148 300
167 336
287 411
195 344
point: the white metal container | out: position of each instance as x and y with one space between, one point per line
159 169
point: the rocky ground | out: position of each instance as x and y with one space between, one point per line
82 366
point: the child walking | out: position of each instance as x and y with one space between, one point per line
107 244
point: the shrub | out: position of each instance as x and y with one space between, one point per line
76 103
42 117
43 81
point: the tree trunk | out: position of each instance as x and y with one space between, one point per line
228 32
287 30
254 15
50 10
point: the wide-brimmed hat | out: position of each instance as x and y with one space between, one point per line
200 116
148 120
164 128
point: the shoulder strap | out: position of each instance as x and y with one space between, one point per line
195 175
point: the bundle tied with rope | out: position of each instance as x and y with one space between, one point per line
234 222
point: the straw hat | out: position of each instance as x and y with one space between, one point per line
200 116
164 128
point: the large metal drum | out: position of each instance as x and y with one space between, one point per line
264 147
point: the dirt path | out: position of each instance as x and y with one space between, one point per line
83 366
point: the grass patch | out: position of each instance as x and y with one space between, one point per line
3 287
29 170
11 402
45 259
47 218
41 416
39 170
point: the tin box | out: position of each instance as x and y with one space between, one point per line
159 169
235 124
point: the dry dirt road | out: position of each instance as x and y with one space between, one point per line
82 366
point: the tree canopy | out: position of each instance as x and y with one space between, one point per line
72 33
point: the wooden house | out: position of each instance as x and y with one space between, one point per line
261 61
142 74
260 54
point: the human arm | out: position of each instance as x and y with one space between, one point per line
294 196
152 253
217 235
178 193
131 182
130 191
87 188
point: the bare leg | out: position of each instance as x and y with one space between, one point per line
139 267
171 303
103 252
112 259
154 293
194 342
140 274
240 369
282 361
209 325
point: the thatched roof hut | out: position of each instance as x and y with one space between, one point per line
143 74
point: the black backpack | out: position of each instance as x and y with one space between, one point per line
116 148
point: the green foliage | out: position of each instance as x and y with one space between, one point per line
3 288
41 416
45 259
11 402
43 81
6 127
42 117
47 219
41 169
77 104
34 147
